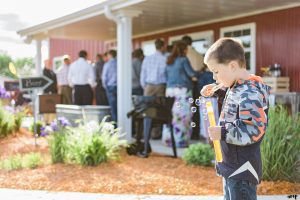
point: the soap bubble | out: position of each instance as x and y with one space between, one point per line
178 104
202 100
198 102
191 100
193 124
193 109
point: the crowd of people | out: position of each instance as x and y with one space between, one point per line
179 73
174 71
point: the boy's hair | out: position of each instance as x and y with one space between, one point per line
225 50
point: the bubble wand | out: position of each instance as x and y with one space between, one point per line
212 122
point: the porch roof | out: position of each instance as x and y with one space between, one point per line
157 16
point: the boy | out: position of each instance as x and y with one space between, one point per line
243 119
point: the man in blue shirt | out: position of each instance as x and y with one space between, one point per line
153 74
153 77
109 82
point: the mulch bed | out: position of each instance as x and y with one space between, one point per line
131 175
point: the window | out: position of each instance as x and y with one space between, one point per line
246 33
57 63
201 40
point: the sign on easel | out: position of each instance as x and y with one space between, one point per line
11 85
33 83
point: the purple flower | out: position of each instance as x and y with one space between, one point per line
54 126
64 121
43 134
3 93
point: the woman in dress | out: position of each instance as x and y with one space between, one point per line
179 85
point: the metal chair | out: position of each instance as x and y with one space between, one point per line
151 109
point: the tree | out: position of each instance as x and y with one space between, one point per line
4 62
21 62
24 66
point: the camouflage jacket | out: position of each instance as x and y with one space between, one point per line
244 120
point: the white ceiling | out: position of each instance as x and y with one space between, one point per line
158 15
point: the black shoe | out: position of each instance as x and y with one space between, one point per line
142 154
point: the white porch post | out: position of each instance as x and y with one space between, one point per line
124 85
38 58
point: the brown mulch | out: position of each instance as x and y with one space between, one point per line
131 175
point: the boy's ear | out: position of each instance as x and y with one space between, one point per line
233 65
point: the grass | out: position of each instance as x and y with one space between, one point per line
15 162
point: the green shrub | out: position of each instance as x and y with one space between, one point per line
31 160
199 154
88 144
9 120
11 163
39 125
57 145
280 146
18 120
87 149
6 126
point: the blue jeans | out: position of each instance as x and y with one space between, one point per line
111 92
239 189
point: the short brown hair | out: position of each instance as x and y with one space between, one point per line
187 39
225 50
138 53
82 54
159 43
113 53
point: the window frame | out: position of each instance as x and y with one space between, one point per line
252 48
208 34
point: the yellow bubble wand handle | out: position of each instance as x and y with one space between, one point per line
212 122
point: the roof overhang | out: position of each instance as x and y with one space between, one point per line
157 16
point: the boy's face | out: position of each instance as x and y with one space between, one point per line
222 73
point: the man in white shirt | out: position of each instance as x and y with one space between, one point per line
64 88
82 78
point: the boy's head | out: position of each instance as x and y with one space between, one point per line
225 58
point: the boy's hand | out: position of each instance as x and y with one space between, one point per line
207 90
214 132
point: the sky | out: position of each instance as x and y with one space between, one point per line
19 14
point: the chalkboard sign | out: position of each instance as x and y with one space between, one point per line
31 83
11 85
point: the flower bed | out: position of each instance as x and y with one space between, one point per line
130 175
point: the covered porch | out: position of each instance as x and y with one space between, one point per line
133 23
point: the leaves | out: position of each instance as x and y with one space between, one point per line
88 144
280 146
199 154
